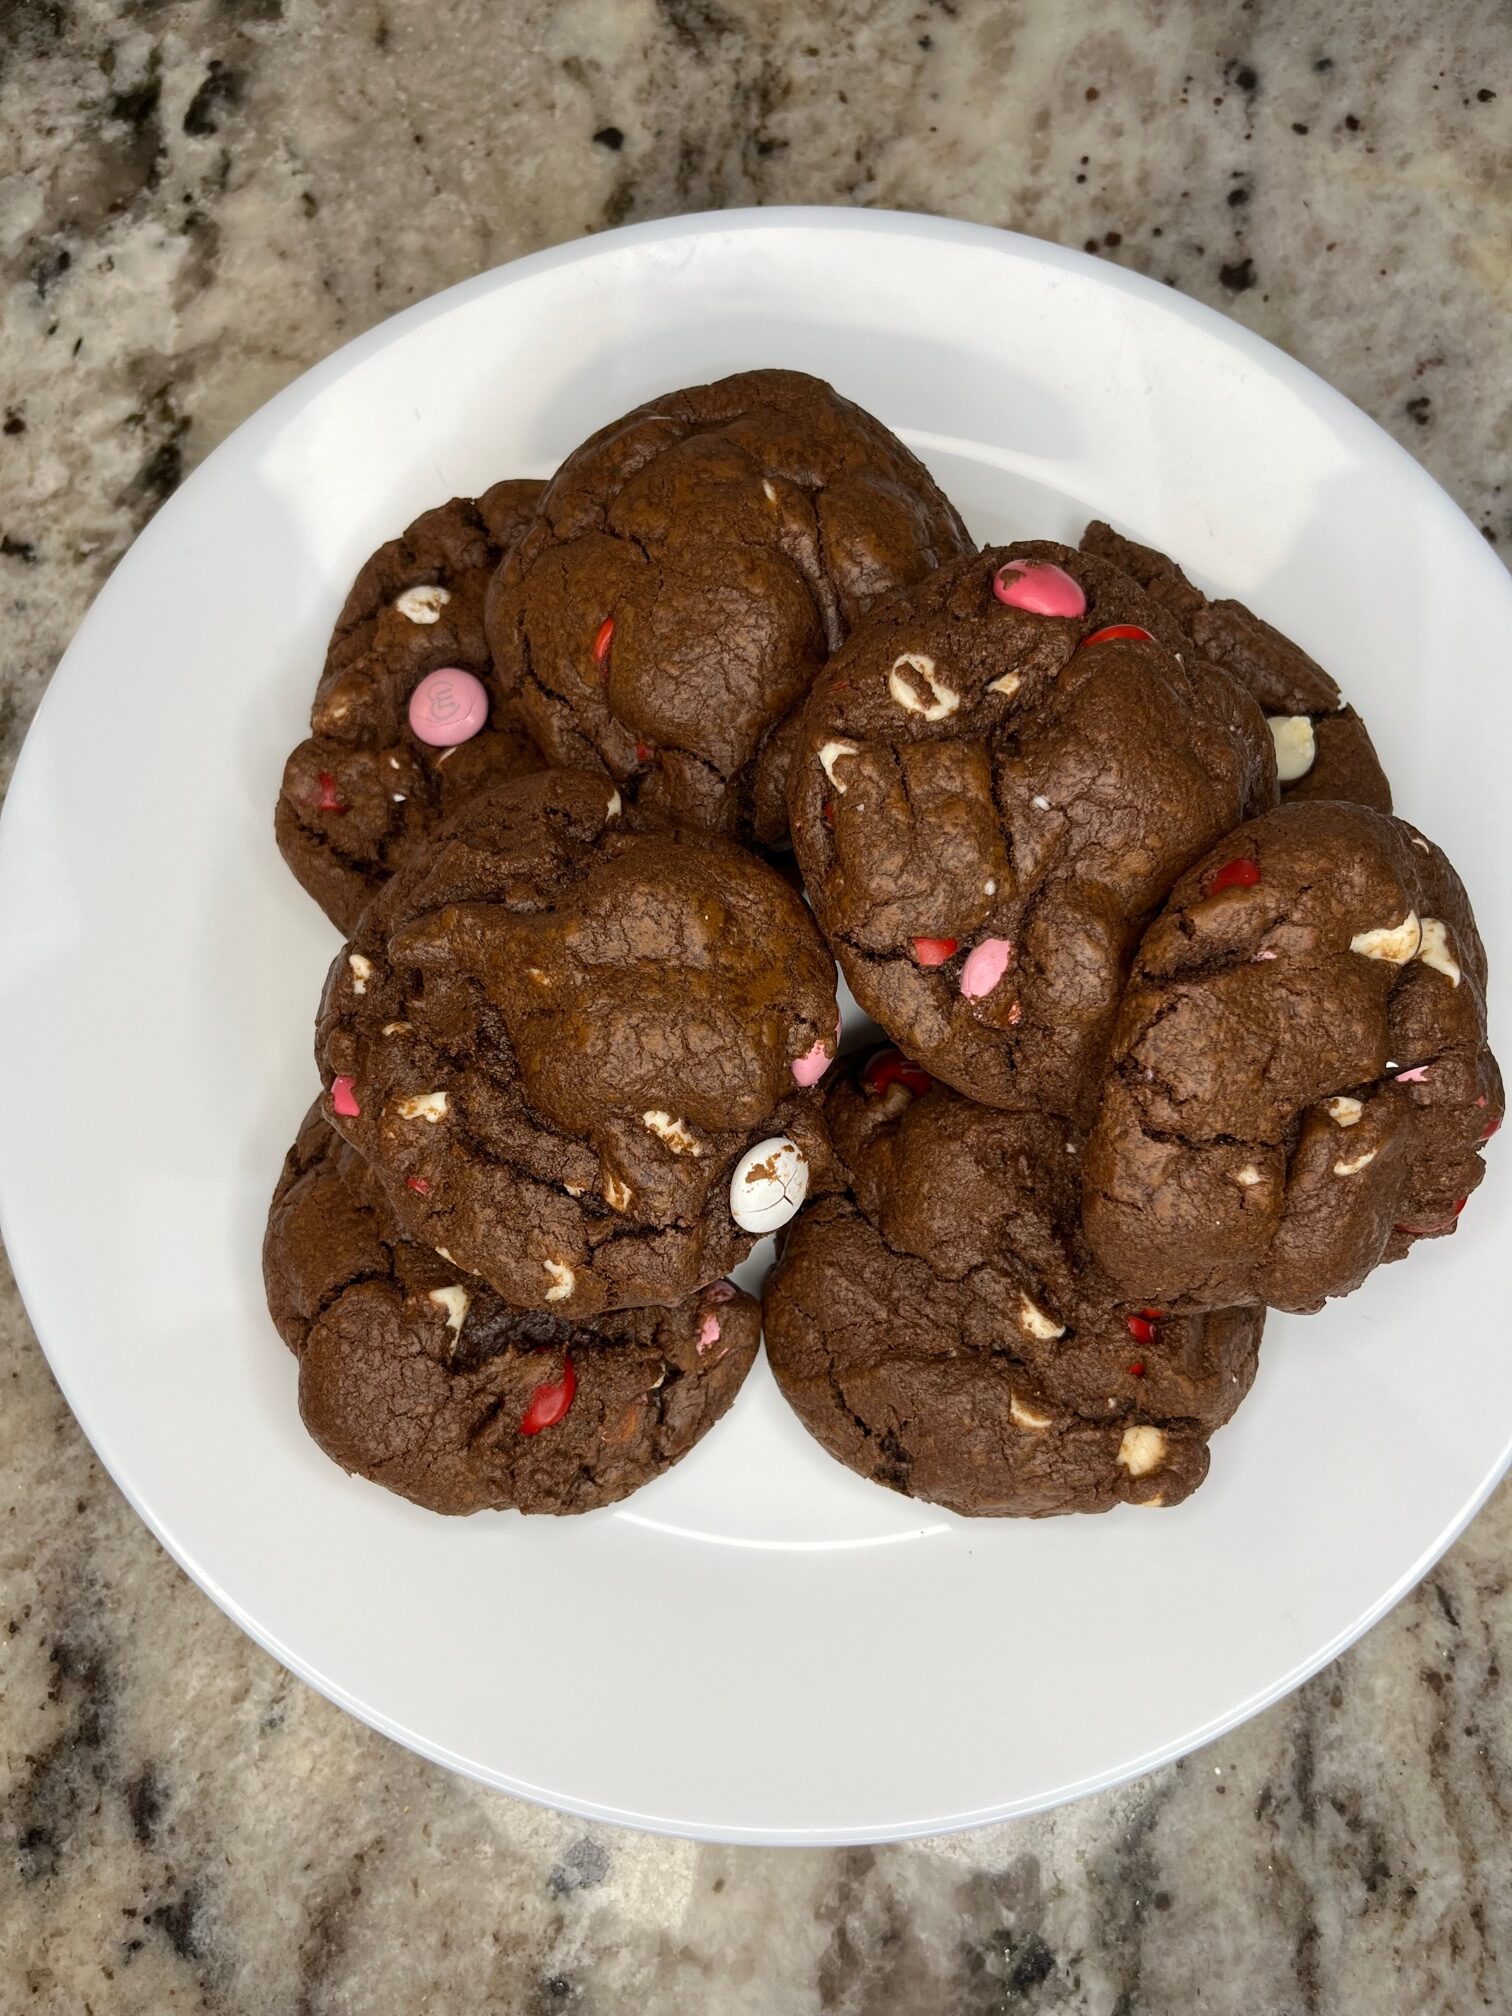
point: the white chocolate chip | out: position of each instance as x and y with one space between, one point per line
562 1278
770 1182
574 1189
393 760
1041 804
771 494
1353 1168
830 755
455 1301
1035 1323
989 887
1343 1111
946 699
362 971
426 1106
1008 685
617 1192
1142 1450
398 797
396 1028
535 974
422 605
1249 1176
1421 845
1435 950
1025 1417
1395 942
677 1134
441 1250
615 806
1296 745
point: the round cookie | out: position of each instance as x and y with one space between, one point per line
946 1332
365 789
692 566
1323 748
988 800
1300 1085
420 1378
574 1043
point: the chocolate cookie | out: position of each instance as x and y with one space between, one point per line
571 1040
995 784
692 566
1323 748
418 1376
368 786
1300 1084
946 1332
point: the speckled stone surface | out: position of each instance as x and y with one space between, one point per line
196 202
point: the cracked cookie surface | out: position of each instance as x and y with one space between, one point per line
988 802
692 566
945 1331
560 1034
1301 1084
421 1378
1324 748
363 791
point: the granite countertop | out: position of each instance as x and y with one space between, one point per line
196 202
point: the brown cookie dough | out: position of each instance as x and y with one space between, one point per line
418 1376
946 1332
987 805
1300 1084
692 566
559 1034
1323 747
363 791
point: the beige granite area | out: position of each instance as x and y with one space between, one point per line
196 202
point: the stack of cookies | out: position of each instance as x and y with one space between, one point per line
1183 1023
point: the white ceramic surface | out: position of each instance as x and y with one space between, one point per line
759 1646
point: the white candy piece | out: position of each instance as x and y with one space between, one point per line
427 1106
1142 1450
362 971
422 605
830 755
1395 942
1035 1323
770 1182
946 699
677 1134
1008 685
615 806
456 1302
449 1257
563 1280
1421 845
1248 1176
1296 745
396 1028
1435 951
1353 1168
1024 1416
617 1192
1040 802
1343 1111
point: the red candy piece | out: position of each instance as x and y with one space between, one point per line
1460 1206
891 1067
1152 1315
550 1402
1241 874
1111 630
344 1098
1137 1369
642 753
934 951
419 1185
829 812
1492 1127
1142 1331
328 800
601 641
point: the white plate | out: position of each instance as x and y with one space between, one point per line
759 1646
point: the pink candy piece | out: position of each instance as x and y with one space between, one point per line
1262 954
344 1098
447 707
709 1333
721 1292
812 1065
985 966
1042 588
1416 1076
